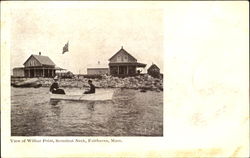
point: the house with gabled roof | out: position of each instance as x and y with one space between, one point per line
39 66
154 71
124 64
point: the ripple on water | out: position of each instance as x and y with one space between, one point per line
130 113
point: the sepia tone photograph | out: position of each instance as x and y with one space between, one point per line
124 79
86 71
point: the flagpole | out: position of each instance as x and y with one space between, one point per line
78 78
65 49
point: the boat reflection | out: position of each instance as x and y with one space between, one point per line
54 102
90 105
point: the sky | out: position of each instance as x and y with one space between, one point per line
94 34
188 40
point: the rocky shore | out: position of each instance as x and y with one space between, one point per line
142 82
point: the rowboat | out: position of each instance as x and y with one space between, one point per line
28 83
98 96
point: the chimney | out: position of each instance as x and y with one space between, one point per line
98 62
122 47
39 53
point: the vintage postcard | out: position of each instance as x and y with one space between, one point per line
124 79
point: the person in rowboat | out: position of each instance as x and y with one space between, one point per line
92 88
54 88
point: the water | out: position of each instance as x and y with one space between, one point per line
130 113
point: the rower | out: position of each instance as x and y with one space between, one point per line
92 88
54 88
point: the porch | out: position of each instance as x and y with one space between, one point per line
125 69
39 72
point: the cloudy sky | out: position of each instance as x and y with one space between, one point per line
94 34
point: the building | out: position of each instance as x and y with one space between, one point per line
18 72
39 66
36 66
97 71
154 71
124 64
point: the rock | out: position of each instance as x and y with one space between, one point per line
143 82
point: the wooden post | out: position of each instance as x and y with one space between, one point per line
43 71
34 72
118 69
127 70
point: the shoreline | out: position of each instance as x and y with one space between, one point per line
142 82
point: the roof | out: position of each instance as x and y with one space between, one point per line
124 51
44 60
18 68
128 64
153 66
58 68
98 68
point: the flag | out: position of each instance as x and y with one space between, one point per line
65 48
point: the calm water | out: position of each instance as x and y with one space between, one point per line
130 113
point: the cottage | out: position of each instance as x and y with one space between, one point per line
18 72
124 64
154 71
97 71
39 66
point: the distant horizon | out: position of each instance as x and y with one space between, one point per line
92 65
